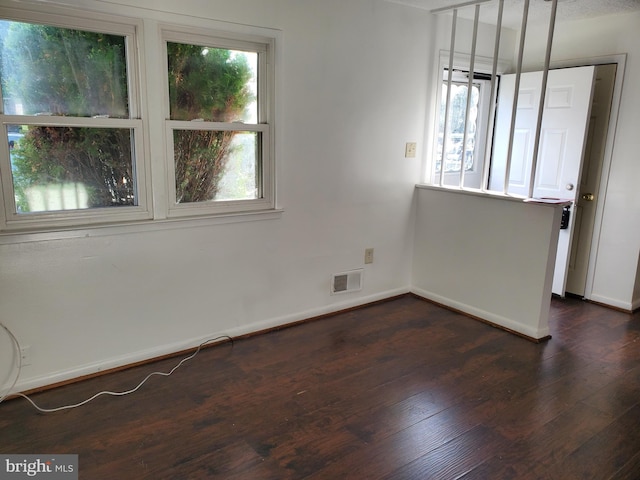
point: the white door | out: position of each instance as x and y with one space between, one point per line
562 143
523 136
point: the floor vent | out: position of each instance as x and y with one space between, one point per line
346 281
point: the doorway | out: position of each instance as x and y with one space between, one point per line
562 139
570 159
589 190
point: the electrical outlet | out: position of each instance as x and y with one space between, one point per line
410 150
368 255
25 355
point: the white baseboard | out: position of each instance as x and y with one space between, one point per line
510 324
316 312
144 355
612 302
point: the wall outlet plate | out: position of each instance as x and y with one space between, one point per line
25 355
368 255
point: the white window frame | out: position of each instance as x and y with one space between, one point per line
264 47
156 208
10 220
461 62
472 177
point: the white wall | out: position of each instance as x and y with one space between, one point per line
488 256
616 267
352 93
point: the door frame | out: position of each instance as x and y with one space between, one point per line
620 60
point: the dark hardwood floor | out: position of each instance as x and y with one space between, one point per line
398 390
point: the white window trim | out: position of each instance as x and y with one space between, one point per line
264 46
42 221
474 175
461 61
265 202
64 218
154 211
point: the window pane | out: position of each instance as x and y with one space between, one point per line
212 84
59 71
216 165
455 128
64 168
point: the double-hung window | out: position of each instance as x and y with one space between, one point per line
83 142
70 118
218 131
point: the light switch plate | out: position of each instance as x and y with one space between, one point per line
410 150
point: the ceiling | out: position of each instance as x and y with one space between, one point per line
538 10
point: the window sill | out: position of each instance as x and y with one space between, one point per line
7 238
495 195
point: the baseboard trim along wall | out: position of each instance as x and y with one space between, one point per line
497 321
64 377
83 372
614 303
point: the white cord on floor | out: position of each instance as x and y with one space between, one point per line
115 394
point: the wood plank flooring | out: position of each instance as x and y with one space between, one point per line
397 390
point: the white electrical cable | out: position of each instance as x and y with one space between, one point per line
18 356
115 394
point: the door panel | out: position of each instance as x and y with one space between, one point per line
553 144
523 136
519 164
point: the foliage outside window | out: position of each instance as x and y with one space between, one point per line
215 106
77 149
61 88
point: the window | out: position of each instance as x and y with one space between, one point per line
69 117
449 149
217 129
78 147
